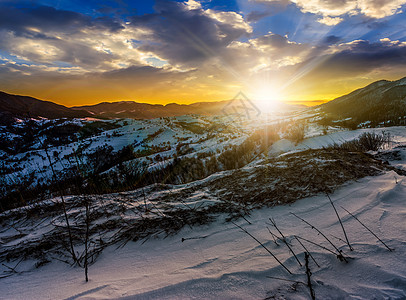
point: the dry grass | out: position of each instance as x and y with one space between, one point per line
120 218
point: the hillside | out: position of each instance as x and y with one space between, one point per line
382 102
27 107
216 260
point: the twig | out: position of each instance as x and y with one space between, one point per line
341 223
304 247
72 250
64 261
309 274
10 268
245 219
273 236
390 249
340 255
14 269
320 246
338 238
194 238
263 246
284 240
86 262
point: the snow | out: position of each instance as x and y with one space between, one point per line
225 263
219 261
397 134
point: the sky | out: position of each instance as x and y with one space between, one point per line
83 52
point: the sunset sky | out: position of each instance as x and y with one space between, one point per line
84 52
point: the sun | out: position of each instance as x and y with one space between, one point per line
267 97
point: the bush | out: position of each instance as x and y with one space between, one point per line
296 133
368 141
238 156
95 128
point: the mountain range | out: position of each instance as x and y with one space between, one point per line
131 109
16 106
377 102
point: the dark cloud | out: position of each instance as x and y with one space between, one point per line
356 58
363 56
48 19
331 40
186 36
141 72
274 40
376 25
269 8
258 15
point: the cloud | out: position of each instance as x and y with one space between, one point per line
331 39
137 83
184 50
359 57
329 69
271 8
334 8
330 21
45 35
380 8
186 34
279 49
168 50
23 19
254 16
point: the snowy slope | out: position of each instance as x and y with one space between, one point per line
225 263
217 260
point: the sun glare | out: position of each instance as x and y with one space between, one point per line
267 97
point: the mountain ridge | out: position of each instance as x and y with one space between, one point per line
377 102
380 101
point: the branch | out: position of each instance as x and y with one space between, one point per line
307 251
263 246
309 274
341 223
368 229
284 240
340 254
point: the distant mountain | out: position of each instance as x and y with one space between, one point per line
15 106
381 101
131 109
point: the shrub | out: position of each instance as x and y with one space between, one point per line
95 128
368 141
296 133
373 141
